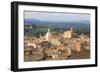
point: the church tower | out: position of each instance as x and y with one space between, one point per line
48 35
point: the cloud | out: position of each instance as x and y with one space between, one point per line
56 16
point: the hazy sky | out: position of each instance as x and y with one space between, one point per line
52 16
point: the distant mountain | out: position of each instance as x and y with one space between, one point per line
31 21
77 24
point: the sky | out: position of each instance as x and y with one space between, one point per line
56 16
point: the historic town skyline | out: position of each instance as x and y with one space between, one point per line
50 36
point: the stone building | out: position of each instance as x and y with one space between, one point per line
78 46
68 34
